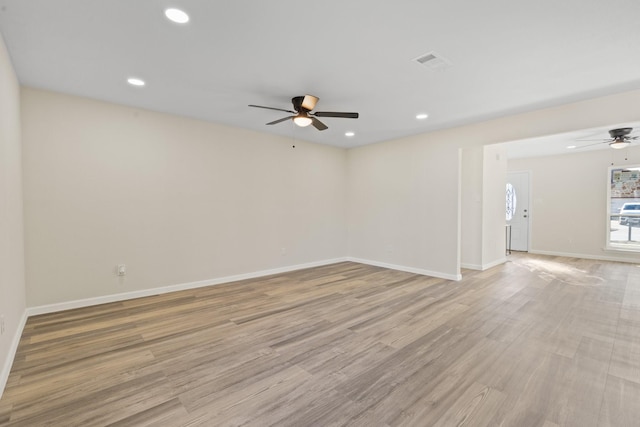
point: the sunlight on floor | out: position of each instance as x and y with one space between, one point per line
554 270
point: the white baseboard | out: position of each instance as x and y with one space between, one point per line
471 266
6 367
68 305
437 274
586 256
483 267
494 263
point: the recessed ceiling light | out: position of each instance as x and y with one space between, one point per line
134 81
571 147
349 134
422 116
176 15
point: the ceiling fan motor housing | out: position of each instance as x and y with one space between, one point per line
619 133
297 104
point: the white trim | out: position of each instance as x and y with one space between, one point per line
494 263
437 274
6 368
608 202
51 308
471 266
484 267
630 249
459 219
585 256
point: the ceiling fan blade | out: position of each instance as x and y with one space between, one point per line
592 140
309 102
318 124
591 145
272 108
336 114
275 122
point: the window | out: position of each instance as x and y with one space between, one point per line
511 201
624 208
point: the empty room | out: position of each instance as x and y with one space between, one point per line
319 214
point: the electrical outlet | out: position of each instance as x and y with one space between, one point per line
122 269
2 325
283 251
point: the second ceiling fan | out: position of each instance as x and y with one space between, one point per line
303 116
620 138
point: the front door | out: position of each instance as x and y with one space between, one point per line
517 212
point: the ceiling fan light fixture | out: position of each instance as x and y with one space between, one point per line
619 143
302 120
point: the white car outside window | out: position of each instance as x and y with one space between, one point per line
630 208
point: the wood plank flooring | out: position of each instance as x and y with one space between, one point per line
538 341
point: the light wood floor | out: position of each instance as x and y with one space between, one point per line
539 341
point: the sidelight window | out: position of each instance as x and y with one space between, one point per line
511 201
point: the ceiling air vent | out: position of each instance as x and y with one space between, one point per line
433 61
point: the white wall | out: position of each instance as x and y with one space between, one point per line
569 194
471 208
403 194
176 200
403 205
12 283
483 178
494 178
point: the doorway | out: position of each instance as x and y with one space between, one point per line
517 209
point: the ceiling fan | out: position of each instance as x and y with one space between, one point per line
620 138
302 116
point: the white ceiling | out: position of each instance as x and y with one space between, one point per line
357 55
